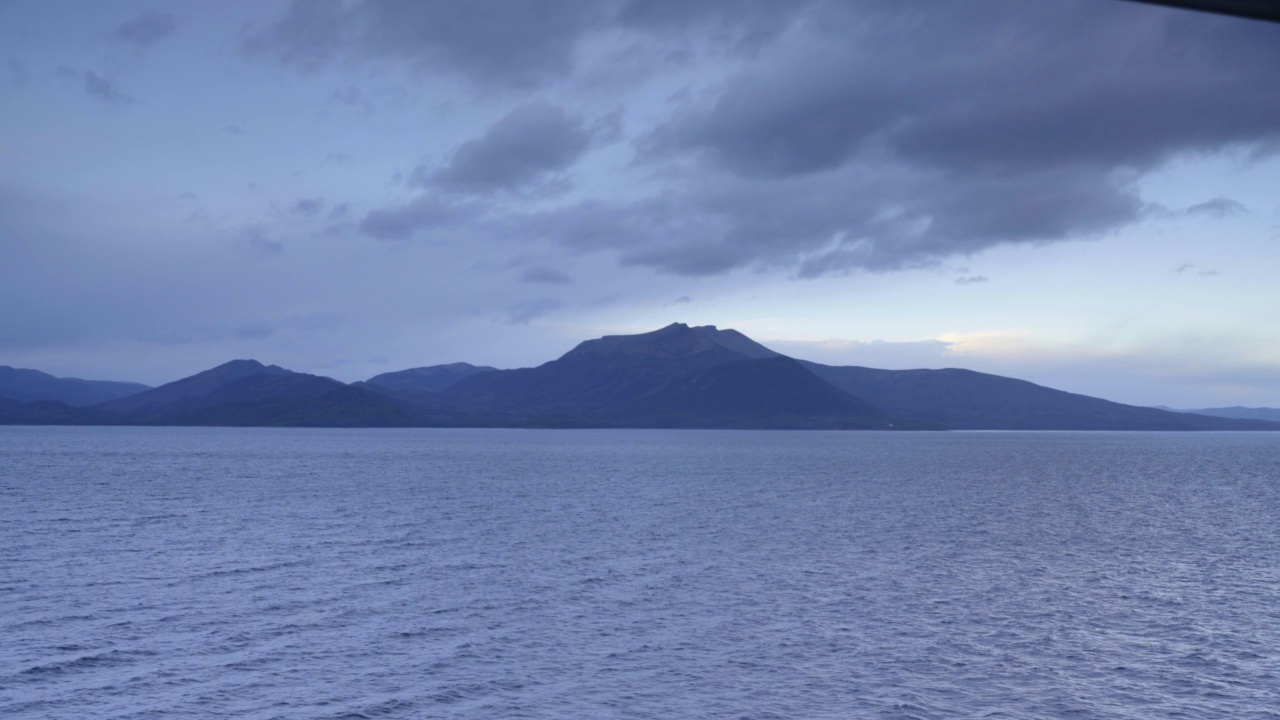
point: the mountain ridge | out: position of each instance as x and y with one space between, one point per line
1238 412
678 376
26 385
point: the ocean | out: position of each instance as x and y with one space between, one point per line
277 573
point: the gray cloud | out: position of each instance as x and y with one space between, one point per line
105 90
741 24
976 143
233 130
307 207
806 117
856 218
514 44
1090 83
1219 207
840 146
424 213
149 28
971 279
525 149
545 275
1186 268
254 238
510 44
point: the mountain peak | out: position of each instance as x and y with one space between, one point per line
675 340
248 365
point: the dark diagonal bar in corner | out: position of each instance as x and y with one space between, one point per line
1255 9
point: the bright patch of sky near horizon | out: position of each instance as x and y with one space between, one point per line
180 185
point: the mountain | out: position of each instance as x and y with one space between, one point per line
968 400
678 376
31 385
190 391
596 376
426 379
246 392
48 412
675 377
733 340
773 392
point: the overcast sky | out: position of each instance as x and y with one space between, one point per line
1082 193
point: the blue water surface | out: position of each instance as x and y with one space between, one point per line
262 573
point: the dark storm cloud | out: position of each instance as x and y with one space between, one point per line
1003 87
525 149
149 28
991 123
877 135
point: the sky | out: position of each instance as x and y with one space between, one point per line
1080 193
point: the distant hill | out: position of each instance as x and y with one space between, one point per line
196 390
1240 413
426 379
675 377
48 412
968 400
33 385
246 392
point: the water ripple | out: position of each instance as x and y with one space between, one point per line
162 572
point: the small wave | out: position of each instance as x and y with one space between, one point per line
383 709
111 658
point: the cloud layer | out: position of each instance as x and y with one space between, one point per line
871 135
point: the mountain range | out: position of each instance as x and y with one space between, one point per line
675 377
1237 412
